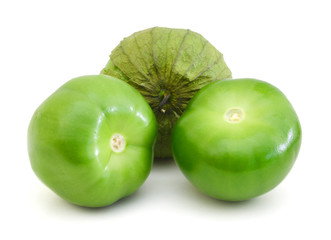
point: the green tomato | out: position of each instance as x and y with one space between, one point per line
237 139
92 140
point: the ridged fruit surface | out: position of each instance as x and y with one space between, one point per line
91 141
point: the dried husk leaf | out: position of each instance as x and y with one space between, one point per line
168 66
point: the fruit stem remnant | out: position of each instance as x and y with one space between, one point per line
165 97
234 115
117 143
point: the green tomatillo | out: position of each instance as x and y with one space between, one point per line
168 66
237 139
92 140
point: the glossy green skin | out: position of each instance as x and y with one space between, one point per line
237 161
69 140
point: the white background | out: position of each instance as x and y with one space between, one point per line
43 44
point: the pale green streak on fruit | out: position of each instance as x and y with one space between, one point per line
168 66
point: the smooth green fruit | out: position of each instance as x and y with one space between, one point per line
91 141
168 66
237 139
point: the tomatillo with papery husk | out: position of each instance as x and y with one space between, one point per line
168 66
